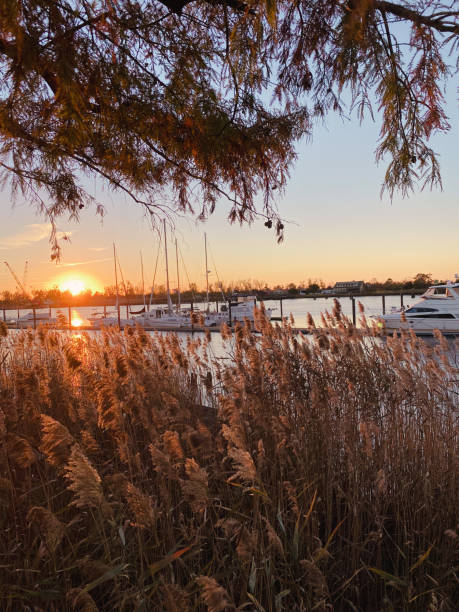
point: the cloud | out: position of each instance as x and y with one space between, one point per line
98 249
72 264
34 232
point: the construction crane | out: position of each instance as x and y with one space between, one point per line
25 275
18 282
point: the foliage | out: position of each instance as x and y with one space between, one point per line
174 93
321 475
133 294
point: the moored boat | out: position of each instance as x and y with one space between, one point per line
437 309
34 319
239 308
161 318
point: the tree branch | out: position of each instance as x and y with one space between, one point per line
11 51
432 21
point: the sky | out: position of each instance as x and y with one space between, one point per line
338 227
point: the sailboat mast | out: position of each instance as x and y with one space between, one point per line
207 270
167 270
116 285
178 277
154 276
143 279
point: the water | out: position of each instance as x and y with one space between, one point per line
299 308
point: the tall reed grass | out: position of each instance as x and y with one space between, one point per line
141 473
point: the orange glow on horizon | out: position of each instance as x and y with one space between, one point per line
76 284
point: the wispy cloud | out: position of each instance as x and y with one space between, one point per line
98 249
72 264
35 232
32 233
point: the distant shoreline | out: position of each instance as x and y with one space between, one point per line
137 300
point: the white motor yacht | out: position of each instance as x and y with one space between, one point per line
438 308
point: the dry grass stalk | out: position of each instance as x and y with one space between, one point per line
245 467
141 505
20 451
49 526
274 539
172 445
334 449
56 441
195 489
85 482
247 545
81 601
175 599
215 597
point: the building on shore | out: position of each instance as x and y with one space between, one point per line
349 287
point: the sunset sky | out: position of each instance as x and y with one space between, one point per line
338 227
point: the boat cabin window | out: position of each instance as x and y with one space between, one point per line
420 309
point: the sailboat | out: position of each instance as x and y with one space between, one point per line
99 320
239 308
163 317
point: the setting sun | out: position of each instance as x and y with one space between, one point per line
74 285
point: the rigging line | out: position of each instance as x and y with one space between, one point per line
154 276
186 273
216 272
121 273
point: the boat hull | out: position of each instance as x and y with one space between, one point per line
420 326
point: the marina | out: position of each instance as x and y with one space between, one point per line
194 317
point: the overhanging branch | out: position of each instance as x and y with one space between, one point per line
434 21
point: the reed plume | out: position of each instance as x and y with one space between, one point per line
215 597
85 481
245 467
56 441
141 506
49 526
311 472
195 488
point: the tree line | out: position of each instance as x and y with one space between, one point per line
132 293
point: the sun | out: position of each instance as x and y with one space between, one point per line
74 285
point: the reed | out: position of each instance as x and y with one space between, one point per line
305 473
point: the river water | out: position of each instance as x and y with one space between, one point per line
298 308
